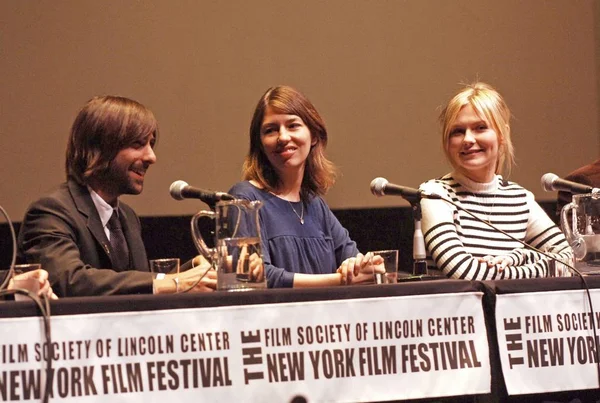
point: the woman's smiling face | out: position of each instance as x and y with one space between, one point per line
473 146
286 141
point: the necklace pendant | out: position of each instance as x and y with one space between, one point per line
301 215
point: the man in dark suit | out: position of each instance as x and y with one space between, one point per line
88 240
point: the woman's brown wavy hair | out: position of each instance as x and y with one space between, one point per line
319 172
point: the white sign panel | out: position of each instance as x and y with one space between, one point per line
546 341
337 351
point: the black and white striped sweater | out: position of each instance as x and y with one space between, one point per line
455 240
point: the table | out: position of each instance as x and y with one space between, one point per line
315 301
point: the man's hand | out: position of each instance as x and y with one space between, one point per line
200 278
41 276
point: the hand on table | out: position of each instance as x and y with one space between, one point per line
501 262
361 269
254 263
41 276
200 278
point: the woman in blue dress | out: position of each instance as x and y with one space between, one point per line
303 243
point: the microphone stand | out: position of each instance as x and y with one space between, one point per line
419 255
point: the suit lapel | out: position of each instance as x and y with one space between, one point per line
85 205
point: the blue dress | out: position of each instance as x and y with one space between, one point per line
318 246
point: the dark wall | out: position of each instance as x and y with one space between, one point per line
371 228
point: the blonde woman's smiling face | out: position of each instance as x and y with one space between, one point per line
473 146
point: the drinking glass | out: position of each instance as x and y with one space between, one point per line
31 284
390 262
166 266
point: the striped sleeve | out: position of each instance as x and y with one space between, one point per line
544 235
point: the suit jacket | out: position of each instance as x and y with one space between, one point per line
587 175
63 232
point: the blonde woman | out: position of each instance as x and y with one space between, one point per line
477 143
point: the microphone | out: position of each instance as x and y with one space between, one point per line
382 187
551 182
181 190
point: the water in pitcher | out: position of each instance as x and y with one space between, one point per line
239 256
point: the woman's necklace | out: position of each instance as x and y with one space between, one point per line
486 210
301 215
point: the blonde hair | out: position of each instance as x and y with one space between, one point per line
319 172
488 104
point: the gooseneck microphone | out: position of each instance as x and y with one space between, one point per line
180 190
382 187
551 182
